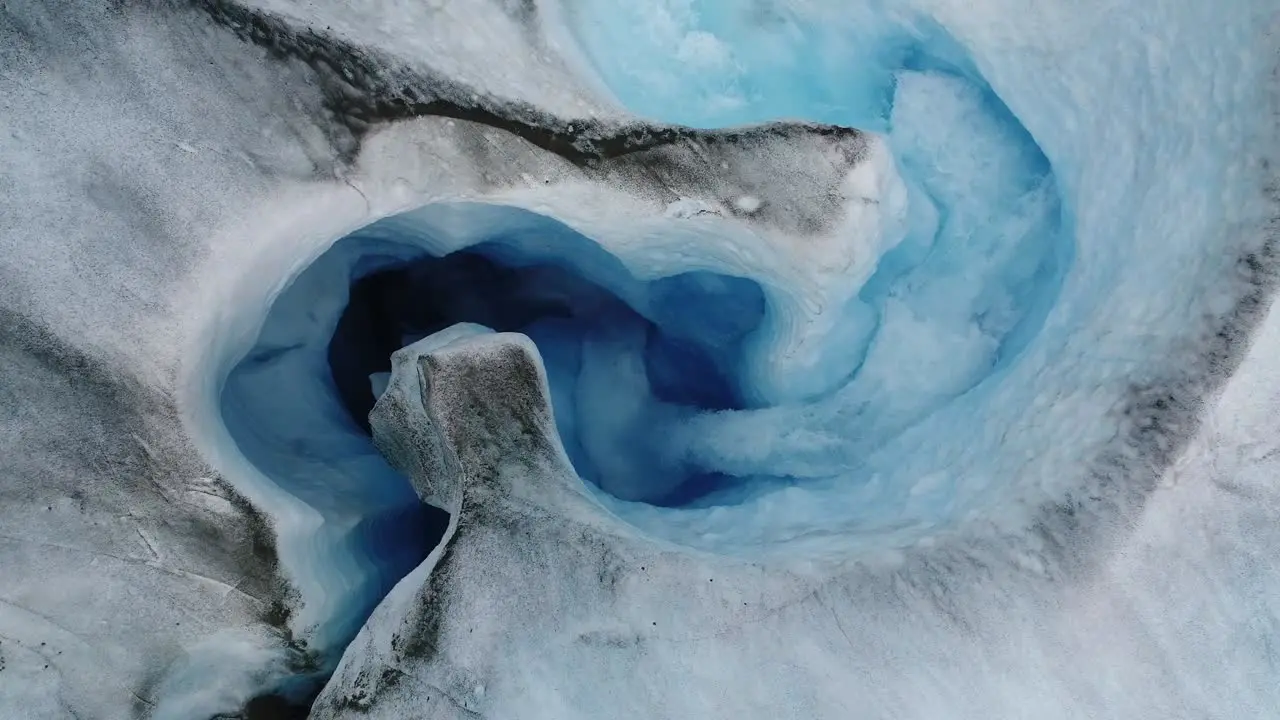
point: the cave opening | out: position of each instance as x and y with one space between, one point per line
629 360
620 372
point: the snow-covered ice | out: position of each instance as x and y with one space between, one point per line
795 358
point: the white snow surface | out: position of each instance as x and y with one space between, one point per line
163 183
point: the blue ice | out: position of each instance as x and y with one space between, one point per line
628 360
651 381
948 308
936 418
934 382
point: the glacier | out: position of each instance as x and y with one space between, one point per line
791 358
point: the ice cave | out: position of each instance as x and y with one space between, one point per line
571 359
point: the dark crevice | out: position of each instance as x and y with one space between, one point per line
676 354
421 298
275 707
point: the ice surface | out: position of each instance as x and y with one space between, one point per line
124 149
984 399
217 674
973 438
964 312
464 44
984 631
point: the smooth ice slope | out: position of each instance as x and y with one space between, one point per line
285 417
